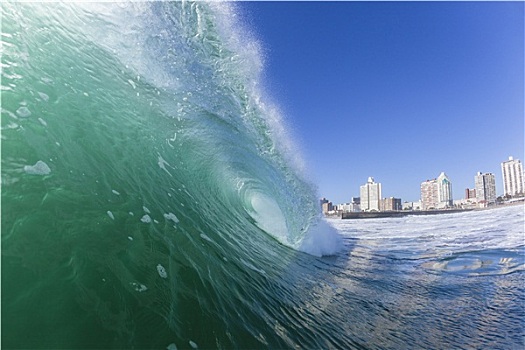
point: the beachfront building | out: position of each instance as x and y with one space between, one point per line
370 194
348 207
327 207
485 188
391 204
470 193
429 194
436 193
411 205
512 172
466 203
444 191
355 204
344 207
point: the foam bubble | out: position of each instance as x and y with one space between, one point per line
12 126
172 346
139 287
115 192
43 96
162 271
193 344
110 214
23 112
40 168
146 219
172 217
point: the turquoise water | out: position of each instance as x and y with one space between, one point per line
152 198
147 190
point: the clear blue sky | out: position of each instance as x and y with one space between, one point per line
396 90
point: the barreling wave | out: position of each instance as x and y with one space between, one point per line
141 166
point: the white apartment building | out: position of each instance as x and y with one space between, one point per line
512 172
444 191
370 195
485 185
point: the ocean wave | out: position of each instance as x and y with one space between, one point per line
168 186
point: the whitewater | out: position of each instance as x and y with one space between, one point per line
153 197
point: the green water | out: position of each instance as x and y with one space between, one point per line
157 146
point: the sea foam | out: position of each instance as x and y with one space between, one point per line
23 112
162 271
321 239
40 168
172 217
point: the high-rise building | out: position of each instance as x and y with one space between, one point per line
327 207
370 194
429 194
436 193
512 172
485 187
444 191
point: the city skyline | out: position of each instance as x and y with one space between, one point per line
399 91
429 188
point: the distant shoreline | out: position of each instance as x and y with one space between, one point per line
394 214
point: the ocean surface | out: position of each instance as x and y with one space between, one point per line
152 198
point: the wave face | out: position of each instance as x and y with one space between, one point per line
150 197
